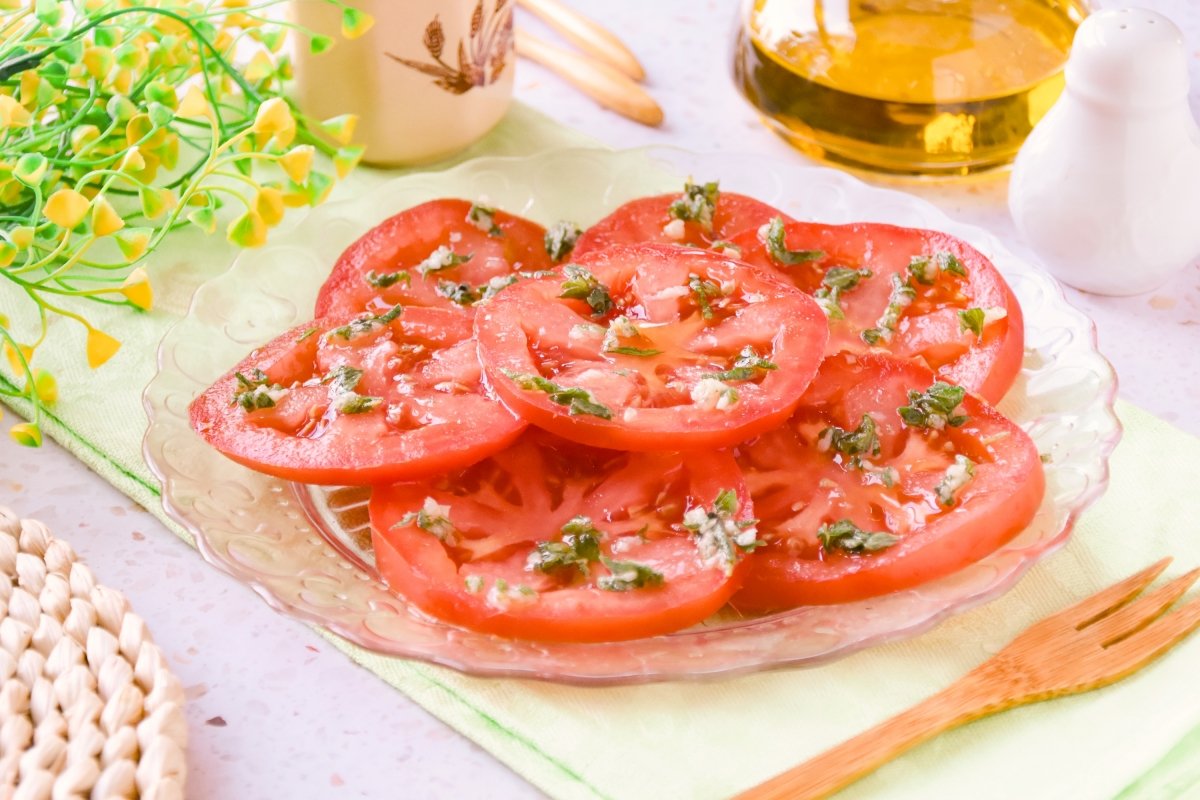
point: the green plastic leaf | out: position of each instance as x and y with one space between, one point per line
161 92
129 56
355 23
49 12
54 73
31 168
319 44
160 115
120 108
26 434
70 52
317 188
347 158
106 37
271 37
204 219
340 128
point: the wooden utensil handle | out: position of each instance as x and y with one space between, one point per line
587 35
599 81
855 758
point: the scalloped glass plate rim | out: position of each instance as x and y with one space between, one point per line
673 157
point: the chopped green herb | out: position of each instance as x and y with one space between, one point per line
560 239
582 285
386 279
772 235
489 290
720 537
838 281
926 269
888 476
460 293
749 364
501 595
484 218
365 325
957 476
433 517
934 408
861 441
709 393
473 583
845 535
726 247
626 575
577 400
633 351
697 204
351 403
304 334
972 320
441 259
901 298
704 292
255 391
623 328
579 547
343 378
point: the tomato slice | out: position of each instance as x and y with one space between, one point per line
416 258
927 281
699 219
851 512
358 400
550 540
652 347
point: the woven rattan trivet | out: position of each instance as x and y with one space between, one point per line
88 707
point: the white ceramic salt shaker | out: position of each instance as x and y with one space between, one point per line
1107 187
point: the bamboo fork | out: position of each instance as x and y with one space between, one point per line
1091 644
587 35
604 84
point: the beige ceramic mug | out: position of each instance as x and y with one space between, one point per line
428 79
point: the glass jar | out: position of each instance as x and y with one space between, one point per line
919 87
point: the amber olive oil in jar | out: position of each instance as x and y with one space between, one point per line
920 87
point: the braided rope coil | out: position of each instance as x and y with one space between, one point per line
88 706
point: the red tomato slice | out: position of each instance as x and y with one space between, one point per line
554 541
410 259
938 514
984 361
655 348
649 219
358 400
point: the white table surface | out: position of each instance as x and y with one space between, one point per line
274 711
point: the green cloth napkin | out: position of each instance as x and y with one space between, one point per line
709 740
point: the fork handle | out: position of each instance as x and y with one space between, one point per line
965 700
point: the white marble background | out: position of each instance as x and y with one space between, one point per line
273 710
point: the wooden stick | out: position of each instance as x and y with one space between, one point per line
587 35
604 84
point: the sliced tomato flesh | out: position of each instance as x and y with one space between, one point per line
650 219
849 518
554 541
359 399
441 254
927 279
652 347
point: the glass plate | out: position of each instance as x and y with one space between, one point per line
303 550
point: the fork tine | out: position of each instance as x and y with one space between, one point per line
1141 612
1092 608
1135 651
